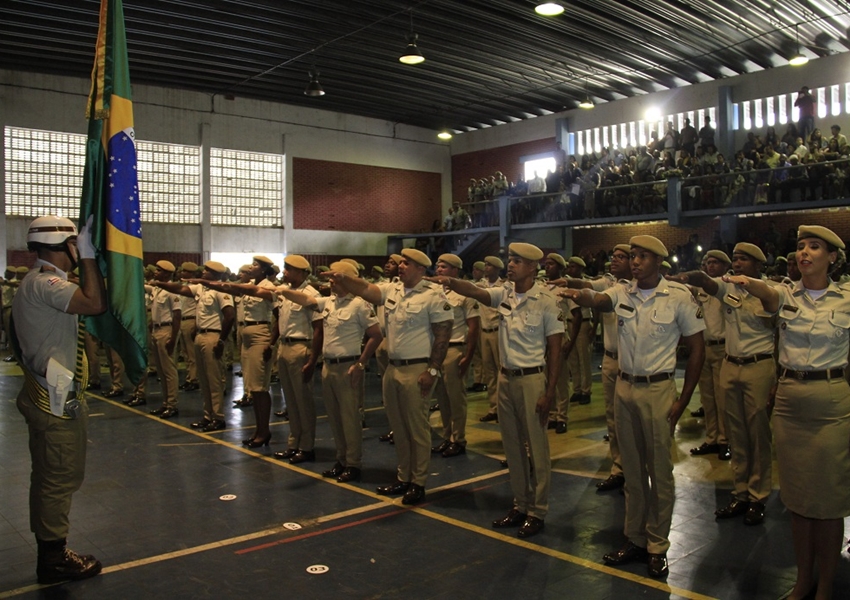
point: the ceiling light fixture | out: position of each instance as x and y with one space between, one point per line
587 103
444 135
798 59
314 88
411 55
549 9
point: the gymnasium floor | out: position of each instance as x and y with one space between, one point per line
152 510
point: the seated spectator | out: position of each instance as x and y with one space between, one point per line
840 138
800 149
771 138
816 140
791 136
752 144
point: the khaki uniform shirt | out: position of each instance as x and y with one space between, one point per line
408 316
489 316
749 329
463 308
813 334
296 321
346 320
188 306
8 295
712 312
649 330
610 337
163 305
525 323
210 304
42 326
257 309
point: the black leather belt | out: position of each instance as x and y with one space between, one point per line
521 372
158 325
812 375
457 344
250 323
490 330
292 340
404 362
747 360
610 354
209 331
192 318
343 359
645 378
715 342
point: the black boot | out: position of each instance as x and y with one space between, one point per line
57 563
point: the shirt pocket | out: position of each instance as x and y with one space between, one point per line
533 321
409 312
840 323
662 321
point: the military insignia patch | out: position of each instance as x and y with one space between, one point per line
699 313
561 317
447 306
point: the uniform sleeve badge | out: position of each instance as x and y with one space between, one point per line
561 316
447 306
699 313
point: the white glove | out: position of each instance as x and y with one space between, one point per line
85 248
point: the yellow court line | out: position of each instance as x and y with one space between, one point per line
582 562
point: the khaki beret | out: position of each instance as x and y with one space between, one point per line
719 255
244 268
666 265
624 248
150 268
478 264
577 260
792 256
396 258
350 261
263 259
189 266
166 265
23 270
781 259
451 259
215 266
557 258
417 256
651 243
345 268
11 269
378 269
296 261
276 269
822 233
494 261
750 250
322 269
608 264
526 251
361 266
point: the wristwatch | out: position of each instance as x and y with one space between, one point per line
361 366
433 372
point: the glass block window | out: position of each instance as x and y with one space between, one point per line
246 188
44 172
169 182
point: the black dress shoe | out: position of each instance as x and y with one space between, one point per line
705 448
93 386
723 452
113 393
66 565
288 453
387 437
736 508
200 424
628 553
158 411
137 401
414 495
191 386
575 397
584 399
503 464
350 474
514 518
393 489
614 482
700 412
755 514
440 448
244 402
531 526
334 472
168 413
215 425
282 413
489 417
551 424
656 566
434 408
303 456
561 427
255 443
454 450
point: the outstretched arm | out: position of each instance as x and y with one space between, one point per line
464 288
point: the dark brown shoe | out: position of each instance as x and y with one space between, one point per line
614 482
532 526
489 417
656 566
334 471
755 514
736 508
705 448
628 553
414 495
440 448
514 518
65 565
723 452
350 474
393 489
454 450
289 453
302 456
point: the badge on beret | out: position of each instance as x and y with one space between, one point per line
447 306
699 313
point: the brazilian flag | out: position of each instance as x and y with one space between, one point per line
111 196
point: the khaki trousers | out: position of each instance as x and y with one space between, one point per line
116 371
561 410
525 442
382 357
450 397
343 413
476 366
298 395
407 412
58 451
746 389
579 359
712 399
165 366
490 363
93 356
187 337
640 414
210 375
610 369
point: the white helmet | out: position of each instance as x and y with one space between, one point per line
50 230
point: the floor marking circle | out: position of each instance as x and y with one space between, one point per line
227 497
292 526
317 569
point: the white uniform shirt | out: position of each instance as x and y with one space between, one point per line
258 309
408 317
712 311
489 316
346 320
295 321
163 305
610 336
210 304
463 308
749 329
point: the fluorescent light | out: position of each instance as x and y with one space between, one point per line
444 135
549 9
798 60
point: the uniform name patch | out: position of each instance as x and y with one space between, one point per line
627 307
54 280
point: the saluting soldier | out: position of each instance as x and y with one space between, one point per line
652 315
531 332
488 338
188 329
579 359
165 323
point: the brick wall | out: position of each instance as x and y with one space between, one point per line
348 197
484 163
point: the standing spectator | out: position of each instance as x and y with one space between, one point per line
806 104
706 133
688 137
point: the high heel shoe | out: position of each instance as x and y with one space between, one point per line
252 443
